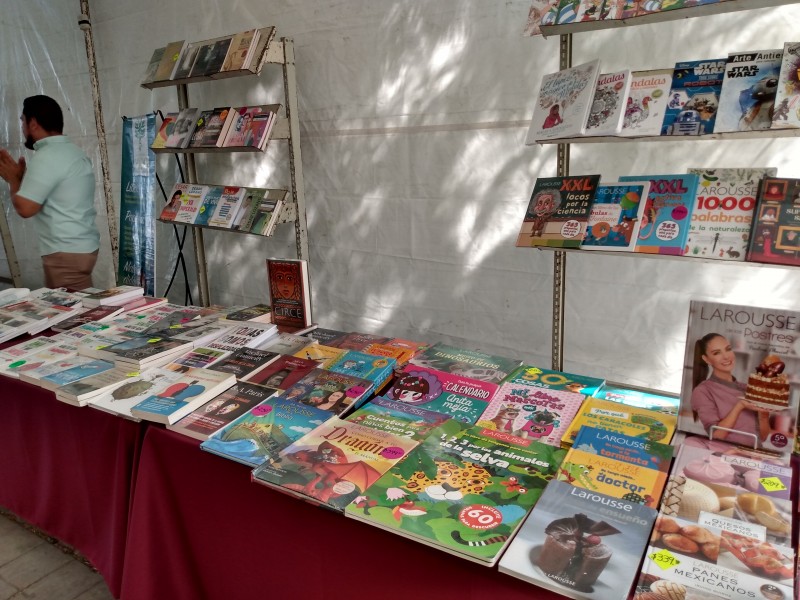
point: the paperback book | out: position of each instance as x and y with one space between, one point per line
658 402
786 113
169 62
775 237
615 217
264 212
472 364
119 399
399 418
211 199
244 362
80 370
80 392
328 337
191 200
358 341
242 44
608 104
248 334
196 358
337 393
34 376
152 66
325 356
186 61
647 102
376 369
464 490
283 373
251 126
164 131
182 132
629 420
287 343
747 97
227 207
290 292
261 313
555 380
694 97
116 295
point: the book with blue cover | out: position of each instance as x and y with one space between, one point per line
76 373
377 369
694 97
615 216
210 201
665 225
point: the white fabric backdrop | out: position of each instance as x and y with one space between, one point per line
413 116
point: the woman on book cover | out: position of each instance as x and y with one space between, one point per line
718 398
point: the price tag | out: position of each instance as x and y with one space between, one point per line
100 347
664 559
132 374
772 484
176 326
153 340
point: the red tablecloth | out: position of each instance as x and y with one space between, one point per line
201 530
69 472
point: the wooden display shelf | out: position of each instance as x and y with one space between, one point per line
733 135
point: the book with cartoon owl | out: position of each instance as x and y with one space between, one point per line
464 490
615 216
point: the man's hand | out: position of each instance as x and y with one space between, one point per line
11 170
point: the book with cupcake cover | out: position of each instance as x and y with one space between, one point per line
263 431
454 395
467 363
323 355
334 464
722 216
164 131
580 544
694 97
635 422
244 362
531 412
337 393
608 103
615 216
377 369
464 489
219 412
287 343
664 228
558 211
740 373
563 103
747 97
786 113
655 401
289 291
405 420
647 102
555 380
775 237
283 372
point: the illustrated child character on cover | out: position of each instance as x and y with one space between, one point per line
552 119
416 387
543 206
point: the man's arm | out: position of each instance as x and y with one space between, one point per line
13 171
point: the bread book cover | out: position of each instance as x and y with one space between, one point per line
775 237
740 375
694 97
647 102
464 490
664 228
555 380
472 364
580 544
747 97
615 217
608 104
786 113
558 211
400 418
290 291
722 216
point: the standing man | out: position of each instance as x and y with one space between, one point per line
57 190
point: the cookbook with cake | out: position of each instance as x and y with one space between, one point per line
741 375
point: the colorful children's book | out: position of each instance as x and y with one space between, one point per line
290 292
377 369
581 544
787 98
337 393
694 97
283 373
164 131
635 422
567 11
530 412
608 105
563 103
665 225
747 97
541 12
555 380
335 464
775 237
615 216
457 396
722 216
400 355
558 211
266 429
658 402
647 102
324 355
400 418
472 364
210 201
358 341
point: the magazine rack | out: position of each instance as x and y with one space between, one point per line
280 52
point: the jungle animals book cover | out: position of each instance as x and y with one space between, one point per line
646 102
263 431
558 211
555 380
608 104
747 97
722 216
334 464
664 227
405 420
775 237
563 103
337 393
467 363
740 375
615 217
694 97
454 395
531 412
580 544
290 292
464 490
786 112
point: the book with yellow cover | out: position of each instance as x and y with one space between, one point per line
324 355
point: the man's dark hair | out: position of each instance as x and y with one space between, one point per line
46 111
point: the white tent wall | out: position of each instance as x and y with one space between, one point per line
413 116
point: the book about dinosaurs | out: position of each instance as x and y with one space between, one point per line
646 102
722 216
472 364
786 113
555 380
558 211
334 464
615 217
694 97
405 420
775 237
747 97
465 490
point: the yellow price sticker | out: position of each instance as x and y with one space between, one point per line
664 559
153 340
772 484
132 374
100 347
176 326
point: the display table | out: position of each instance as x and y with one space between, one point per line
69 471
201 530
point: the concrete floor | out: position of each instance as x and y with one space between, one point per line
32 567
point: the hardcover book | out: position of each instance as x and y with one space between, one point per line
747 97
337 393
647 102
629 420
615 217
775 237
555 380
722 215
400 418
334 464
290 292
664 228
464 490
558 211
472 364
740 375
786 113
563 103
694 97
580 544
457 396
530 412
283 373
608 104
